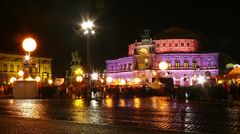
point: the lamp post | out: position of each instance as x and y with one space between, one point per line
87 27
29 45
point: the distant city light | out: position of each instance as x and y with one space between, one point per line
87 25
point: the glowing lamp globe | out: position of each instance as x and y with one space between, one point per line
20 73
109 79
163 65
29 44
38 79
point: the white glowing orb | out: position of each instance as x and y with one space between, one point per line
29 44
109 79
27 57
94 76
50 81
122 82
163 65
87 25
20 73
38 79
201 80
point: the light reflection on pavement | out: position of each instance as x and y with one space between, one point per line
155 112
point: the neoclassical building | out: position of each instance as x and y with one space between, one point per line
11 64
184 62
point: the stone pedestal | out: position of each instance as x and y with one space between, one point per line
23 89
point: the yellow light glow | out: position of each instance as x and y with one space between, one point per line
101 80
94 76
163 65
50 81
154 73
137 80
79 78
20 73
122 82
12 79
29 44
79 71
109 79
38 79
220 82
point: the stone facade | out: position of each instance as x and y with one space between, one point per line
183 61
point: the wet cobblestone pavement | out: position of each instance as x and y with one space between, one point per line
155 112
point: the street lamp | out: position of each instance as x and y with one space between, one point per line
87 27
29 45
163 66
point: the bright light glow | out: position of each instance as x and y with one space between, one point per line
94 76
163 65
86 32
93 32
101 80
87 25
79 71
137 80
20 73
236 65
79 78
154 73
220 82
38 79
201 80
50 81
122 82
12 79
109 79
29 44
27 57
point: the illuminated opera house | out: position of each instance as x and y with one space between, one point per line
185 64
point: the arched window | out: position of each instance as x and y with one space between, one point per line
125 67
177 64
130 66
169 64
12 68
194 64
182 44
186 64
5 68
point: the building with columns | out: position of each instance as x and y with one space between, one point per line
184 63
11 64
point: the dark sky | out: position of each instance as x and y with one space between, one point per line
54 23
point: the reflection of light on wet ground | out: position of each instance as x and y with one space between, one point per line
11 101
137 102
122 103
109 102
78 103
93 103
28 108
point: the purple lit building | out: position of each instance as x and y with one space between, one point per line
185 63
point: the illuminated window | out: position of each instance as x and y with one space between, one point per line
169 64
194 64
11 68
18 68
130 66
5 68
186 64
177 64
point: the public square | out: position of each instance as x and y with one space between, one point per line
133 115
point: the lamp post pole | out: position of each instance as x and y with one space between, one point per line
87 26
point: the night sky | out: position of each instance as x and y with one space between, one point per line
55 26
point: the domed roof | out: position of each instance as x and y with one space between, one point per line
177 33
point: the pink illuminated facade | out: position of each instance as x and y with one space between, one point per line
184 62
